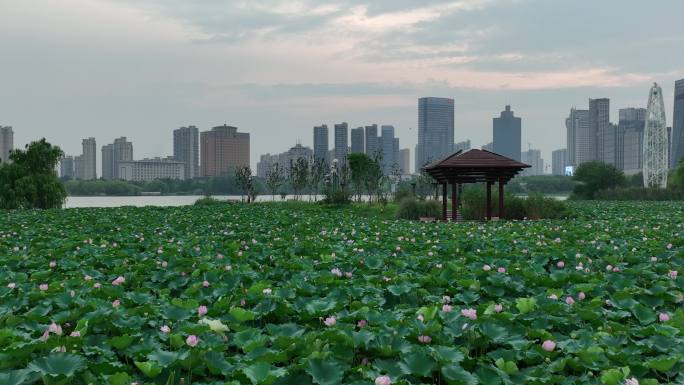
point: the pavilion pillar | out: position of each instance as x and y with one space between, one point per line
444 201
501 198
488 204
454 201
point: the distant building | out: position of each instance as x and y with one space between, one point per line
321 143
405 161
85 165
534 159
462 146
341 142
677 141
435 130
265 163
112 154
630 140
151 169
6 143
507 134
559 161
286 160
389 147
489 146
581 140
357 140
372 141
186 149
66 167
604 132
223 150
655 158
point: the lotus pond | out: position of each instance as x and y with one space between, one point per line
262 294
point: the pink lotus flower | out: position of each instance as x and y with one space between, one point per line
663 317
75 334
52 264
501 270
553 297
97 285
362 323
11 285
446 299
631 381
116 303
267 291
43 287
383 380
348 274
192 340
45 336
581 296
202 310
447 308
672 274
421 318
669 246
548 345
469 313
205 283
55 329
654 259
165 329
616 269
118 281
424 339
498 308
330 321
569 300
609 268
560 264
486 267
336 272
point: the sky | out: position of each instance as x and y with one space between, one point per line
71 69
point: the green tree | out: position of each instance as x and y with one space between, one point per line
596 176
676 178
275 178
316 176
360 166
243 178
30 180
299 176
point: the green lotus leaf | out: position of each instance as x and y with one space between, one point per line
418 364
325 372
456 375
58 364
150 368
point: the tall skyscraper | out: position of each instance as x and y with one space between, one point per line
66 167
605 139
435 130
341 142
507 134
119 151
677 147
88 160
372 141
357 140
186 150
534 159
389 161
581 140
223 150
321 143
559 161
405 161
655 140
108 162
630 140
6 143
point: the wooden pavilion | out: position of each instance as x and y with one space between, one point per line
473 166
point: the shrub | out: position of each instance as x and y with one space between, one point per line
536 206
412 208
209 201
401 194
337 196
640 194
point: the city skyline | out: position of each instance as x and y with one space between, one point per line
142 68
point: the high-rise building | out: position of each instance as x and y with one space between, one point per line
630 140
6 143
677 146
405 161
151 169
66 167
357 140
604 135
341 142
559 161
435 130
534 159
186 149
655 141
86 165
288 159
372 141
321 143
119 151
581 140
389 161
223 150
507 134
489 147
462 146
265 163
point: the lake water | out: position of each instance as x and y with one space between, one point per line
170 200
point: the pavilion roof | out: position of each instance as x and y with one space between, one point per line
474 166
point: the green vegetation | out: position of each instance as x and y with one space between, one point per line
545 184
596 176
298 293
413 208
534 206
29 180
